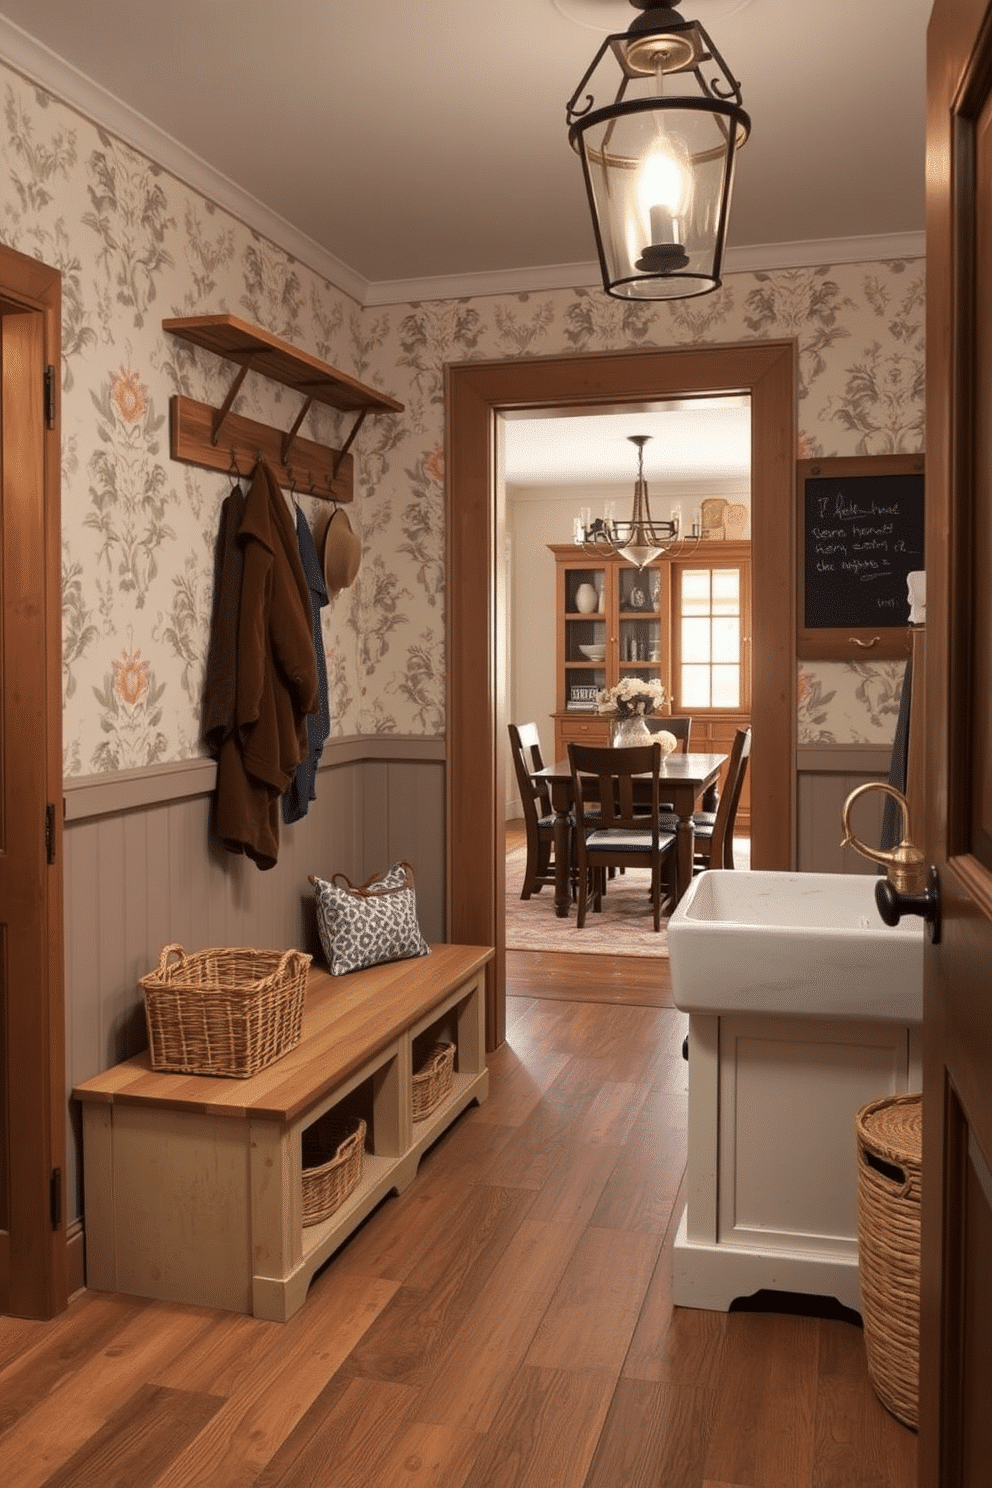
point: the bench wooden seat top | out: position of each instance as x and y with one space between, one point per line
346 1021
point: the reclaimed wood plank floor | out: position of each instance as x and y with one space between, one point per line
507 1321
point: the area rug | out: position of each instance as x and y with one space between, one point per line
624 926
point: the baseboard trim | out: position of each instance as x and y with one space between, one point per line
75 1259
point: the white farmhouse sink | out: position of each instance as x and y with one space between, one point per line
807 944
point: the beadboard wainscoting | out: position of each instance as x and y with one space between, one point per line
825 776
142 869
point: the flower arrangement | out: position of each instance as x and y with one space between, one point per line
631 697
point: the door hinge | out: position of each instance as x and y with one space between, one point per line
50 832
50 397
55 1196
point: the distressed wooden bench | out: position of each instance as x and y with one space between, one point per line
193 1184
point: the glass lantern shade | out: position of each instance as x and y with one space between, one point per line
658 167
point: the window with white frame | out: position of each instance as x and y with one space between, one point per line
710 618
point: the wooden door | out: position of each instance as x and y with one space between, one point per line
32 1064
956 1325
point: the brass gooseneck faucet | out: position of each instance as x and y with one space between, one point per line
904 863
908 888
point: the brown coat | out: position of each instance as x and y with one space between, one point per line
276 672
220 681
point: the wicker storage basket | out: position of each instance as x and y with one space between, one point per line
432 1081
224 1012
332 1166
889 1150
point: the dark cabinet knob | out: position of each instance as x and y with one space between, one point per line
892 904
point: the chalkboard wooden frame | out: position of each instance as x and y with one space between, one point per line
855 640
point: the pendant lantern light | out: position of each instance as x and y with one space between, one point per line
658 162
643 538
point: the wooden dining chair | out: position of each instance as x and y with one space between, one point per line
714 830
680 727
539 816
609 830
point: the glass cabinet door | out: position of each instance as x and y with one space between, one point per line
641 631
586 635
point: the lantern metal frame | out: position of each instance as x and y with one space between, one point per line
647 251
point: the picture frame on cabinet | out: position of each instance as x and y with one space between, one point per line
582 698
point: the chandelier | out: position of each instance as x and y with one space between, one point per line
643 538
658 166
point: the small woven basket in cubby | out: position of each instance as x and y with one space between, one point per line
432 1081
333 1152
230 1011
889 1135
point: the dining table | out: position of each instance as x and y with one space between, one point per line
684 779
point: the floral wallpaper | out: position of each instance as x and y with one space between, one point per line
135 246
848 703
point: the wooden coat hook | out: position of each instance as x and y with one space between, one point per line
216 438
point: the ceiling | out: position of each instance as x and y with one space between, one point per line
419 147
420 140
692 442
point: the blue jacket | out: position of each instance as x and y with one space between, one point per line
303 788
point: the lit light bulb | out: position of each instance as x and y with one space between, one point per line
664 196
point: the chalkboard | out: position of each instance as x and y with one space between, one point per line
861 533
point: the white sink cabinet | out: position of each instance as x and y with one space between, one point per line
774 1087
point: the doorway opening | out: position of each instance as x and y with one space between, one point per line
562 471
476 394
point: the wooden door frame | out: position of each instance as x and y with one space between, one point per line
476 393
33 1279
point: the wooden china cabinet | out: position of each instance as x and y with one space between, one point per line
683 620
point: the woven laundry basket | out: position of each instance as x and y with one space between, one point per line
432 1082
333 1152
889 1134
230 1011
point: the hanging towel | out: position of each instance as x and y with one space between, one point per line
303 790
891 829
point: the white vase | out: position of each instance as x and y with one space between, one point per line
586 599
631 730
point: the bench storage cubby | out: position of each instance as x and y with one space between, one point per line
194 1184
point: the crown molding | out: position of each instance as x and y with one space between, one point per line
485 282
824 251
40 65
762 257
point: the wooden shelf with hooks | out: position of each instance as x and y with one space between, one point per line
221 440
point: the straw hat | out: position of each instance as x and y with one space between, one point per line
342 553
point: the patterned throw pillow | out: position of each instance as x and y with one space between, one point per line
370 923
